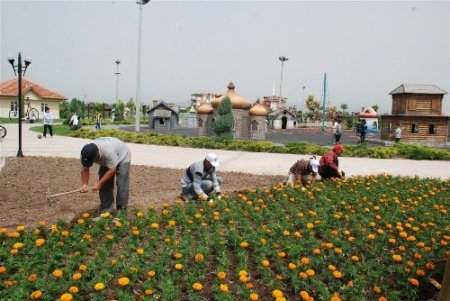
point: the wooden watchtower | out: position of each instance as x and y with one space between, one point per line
418 111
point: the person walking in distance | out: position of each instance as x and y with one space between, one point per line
363 130
74 121
98 121
398 133
114 158
338 132
200 179
47 119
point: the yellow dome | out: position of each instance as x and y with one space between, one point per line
237 102
258 110
205 108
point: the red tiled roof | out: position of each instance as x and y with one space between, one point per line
11 88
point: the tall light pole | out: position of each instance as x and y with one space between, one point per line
282 59
20 71
138 84
117 81
304 99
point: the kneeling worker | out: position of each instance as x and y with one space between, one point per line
200 179
329 163
303 171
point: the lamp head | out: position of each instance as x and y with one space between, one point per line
11 60
117 62
27 61
283 58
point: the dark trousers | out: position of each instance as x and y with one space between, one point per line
337 138
106 192
363 137
50 130
327 172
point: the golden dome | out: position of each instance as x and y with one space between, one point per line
205 108
258 110
237 102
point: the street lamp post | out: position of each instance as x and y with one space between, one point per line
138 84
304 99
20 71
117 81
282 59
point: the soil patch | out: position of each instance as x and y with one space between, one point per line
26 181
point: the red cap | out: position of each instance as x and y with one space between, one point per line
339 147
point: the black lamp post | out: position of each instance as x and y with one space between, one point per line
20 70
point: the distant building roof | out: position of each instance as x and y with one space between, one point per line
368 112
11 88
418 89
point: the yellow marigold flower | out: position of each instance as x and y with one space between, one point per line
254 297
18 245
302 275
243 273
76 276
197 286
199 257
310 272
397 258
99 286
20 228
335 298
57 273
292 266
123 281
86 215
282 254
151 274
309 225
178 266
82 267
36 295
171 223
265 263
277 293
80 221
280 299
65 233
54 228
73 289
13 234
355 258
140 214
331 267
42 223
221 275
66 297
154 225
177 255
243 244
337 274
40 242
140 251
304 260
224 288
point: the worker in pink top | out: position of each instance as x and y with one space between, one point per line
329 163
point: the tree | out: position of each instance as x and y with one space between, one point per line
131 105
314 108
344 107
375 107
223 125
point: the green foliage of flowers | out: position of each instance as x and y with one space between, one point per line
415 152
361 238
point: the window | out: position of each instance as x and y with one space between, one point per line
254 125
432 129
375 125
414 128
43 106
200 123
14 106
161 120
234 126
390 127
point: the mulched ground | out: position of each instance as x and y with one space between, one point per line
26 181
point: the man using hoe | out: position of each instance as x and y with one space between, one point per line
200 179
114 158
303 171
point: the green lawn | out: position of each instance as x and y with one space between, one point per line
58 129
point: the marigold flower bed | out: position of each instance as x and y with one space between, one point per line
362 238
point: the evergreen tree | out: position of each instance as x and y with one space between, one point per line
223 125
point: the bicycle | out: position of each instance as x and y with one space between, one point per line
2 131
30 114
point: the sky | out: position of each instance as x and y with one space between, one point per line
366 48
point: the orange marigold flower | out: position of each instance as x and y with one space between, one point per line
221 275
337 274
413 281
178 266
277 293
265 263
197 286
73 289
36 295
32 277
254 297
40 242
199 257
66 297
224 288
148 292
57 273
397 258
2 269
310 272
304 295
99 286
123 281
151 274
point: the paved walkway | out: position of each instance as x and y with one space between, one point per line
237 161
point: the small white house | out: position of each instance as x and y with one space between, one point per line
371 117
282 118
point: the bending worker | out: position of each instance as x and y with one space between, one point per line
329 163
303 171
114 158
200 179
